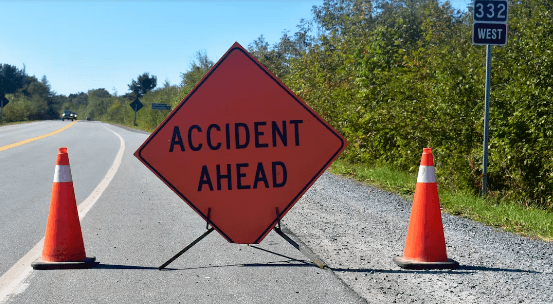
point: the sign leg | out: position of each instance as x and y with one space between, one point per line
313 259
135 110
296 245
186 248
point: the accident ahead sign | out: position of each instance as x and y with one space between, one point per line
241 147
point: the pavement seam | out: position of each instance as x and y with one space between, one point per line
291 234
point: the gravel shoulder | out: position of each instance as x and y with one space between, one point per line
357 230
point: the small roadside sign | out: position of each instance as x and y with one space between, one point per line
3 100
161 106
136 105
241 148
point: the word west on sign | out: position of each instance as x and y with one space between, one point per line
489 33
241 149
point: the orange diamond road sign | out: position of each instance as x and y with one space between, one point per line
242 144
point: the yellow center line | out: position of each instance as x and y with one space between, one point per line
26 141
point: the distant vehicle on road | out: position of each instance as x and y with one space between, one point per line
74 115
67 115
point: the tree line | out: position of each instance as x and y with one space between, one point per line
394 76
30 98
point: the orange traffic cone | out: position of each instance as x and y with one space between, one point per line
63 242
425 243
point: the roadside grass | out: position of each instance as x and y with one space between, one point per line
16 122
130 125
506 215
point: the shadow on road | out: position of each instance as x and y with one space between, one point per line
286 263
463 269
280 255
111 266
482 268
291 262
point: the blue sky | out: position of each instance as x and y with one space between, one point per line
83 45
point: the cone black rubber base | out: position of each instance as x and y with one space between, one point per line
412 264
89 262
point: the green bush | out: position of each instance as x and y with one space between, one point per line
399 76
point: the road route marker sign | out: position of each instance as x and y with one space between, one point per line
490 22
241 148
493 11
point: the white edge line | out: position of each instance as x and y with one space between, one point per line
87 204
20 271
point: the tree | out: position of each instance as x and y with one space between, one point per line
80 99
271 57
199 66
277 57
99 93
45 82
11 79
143 84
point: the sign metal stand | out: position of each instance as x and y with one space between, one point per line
277 229
296 245
196 241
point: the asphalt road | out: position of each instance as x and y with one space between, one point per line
134 226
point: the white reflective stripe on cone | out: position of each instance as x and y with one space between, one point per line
62 174
427 174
